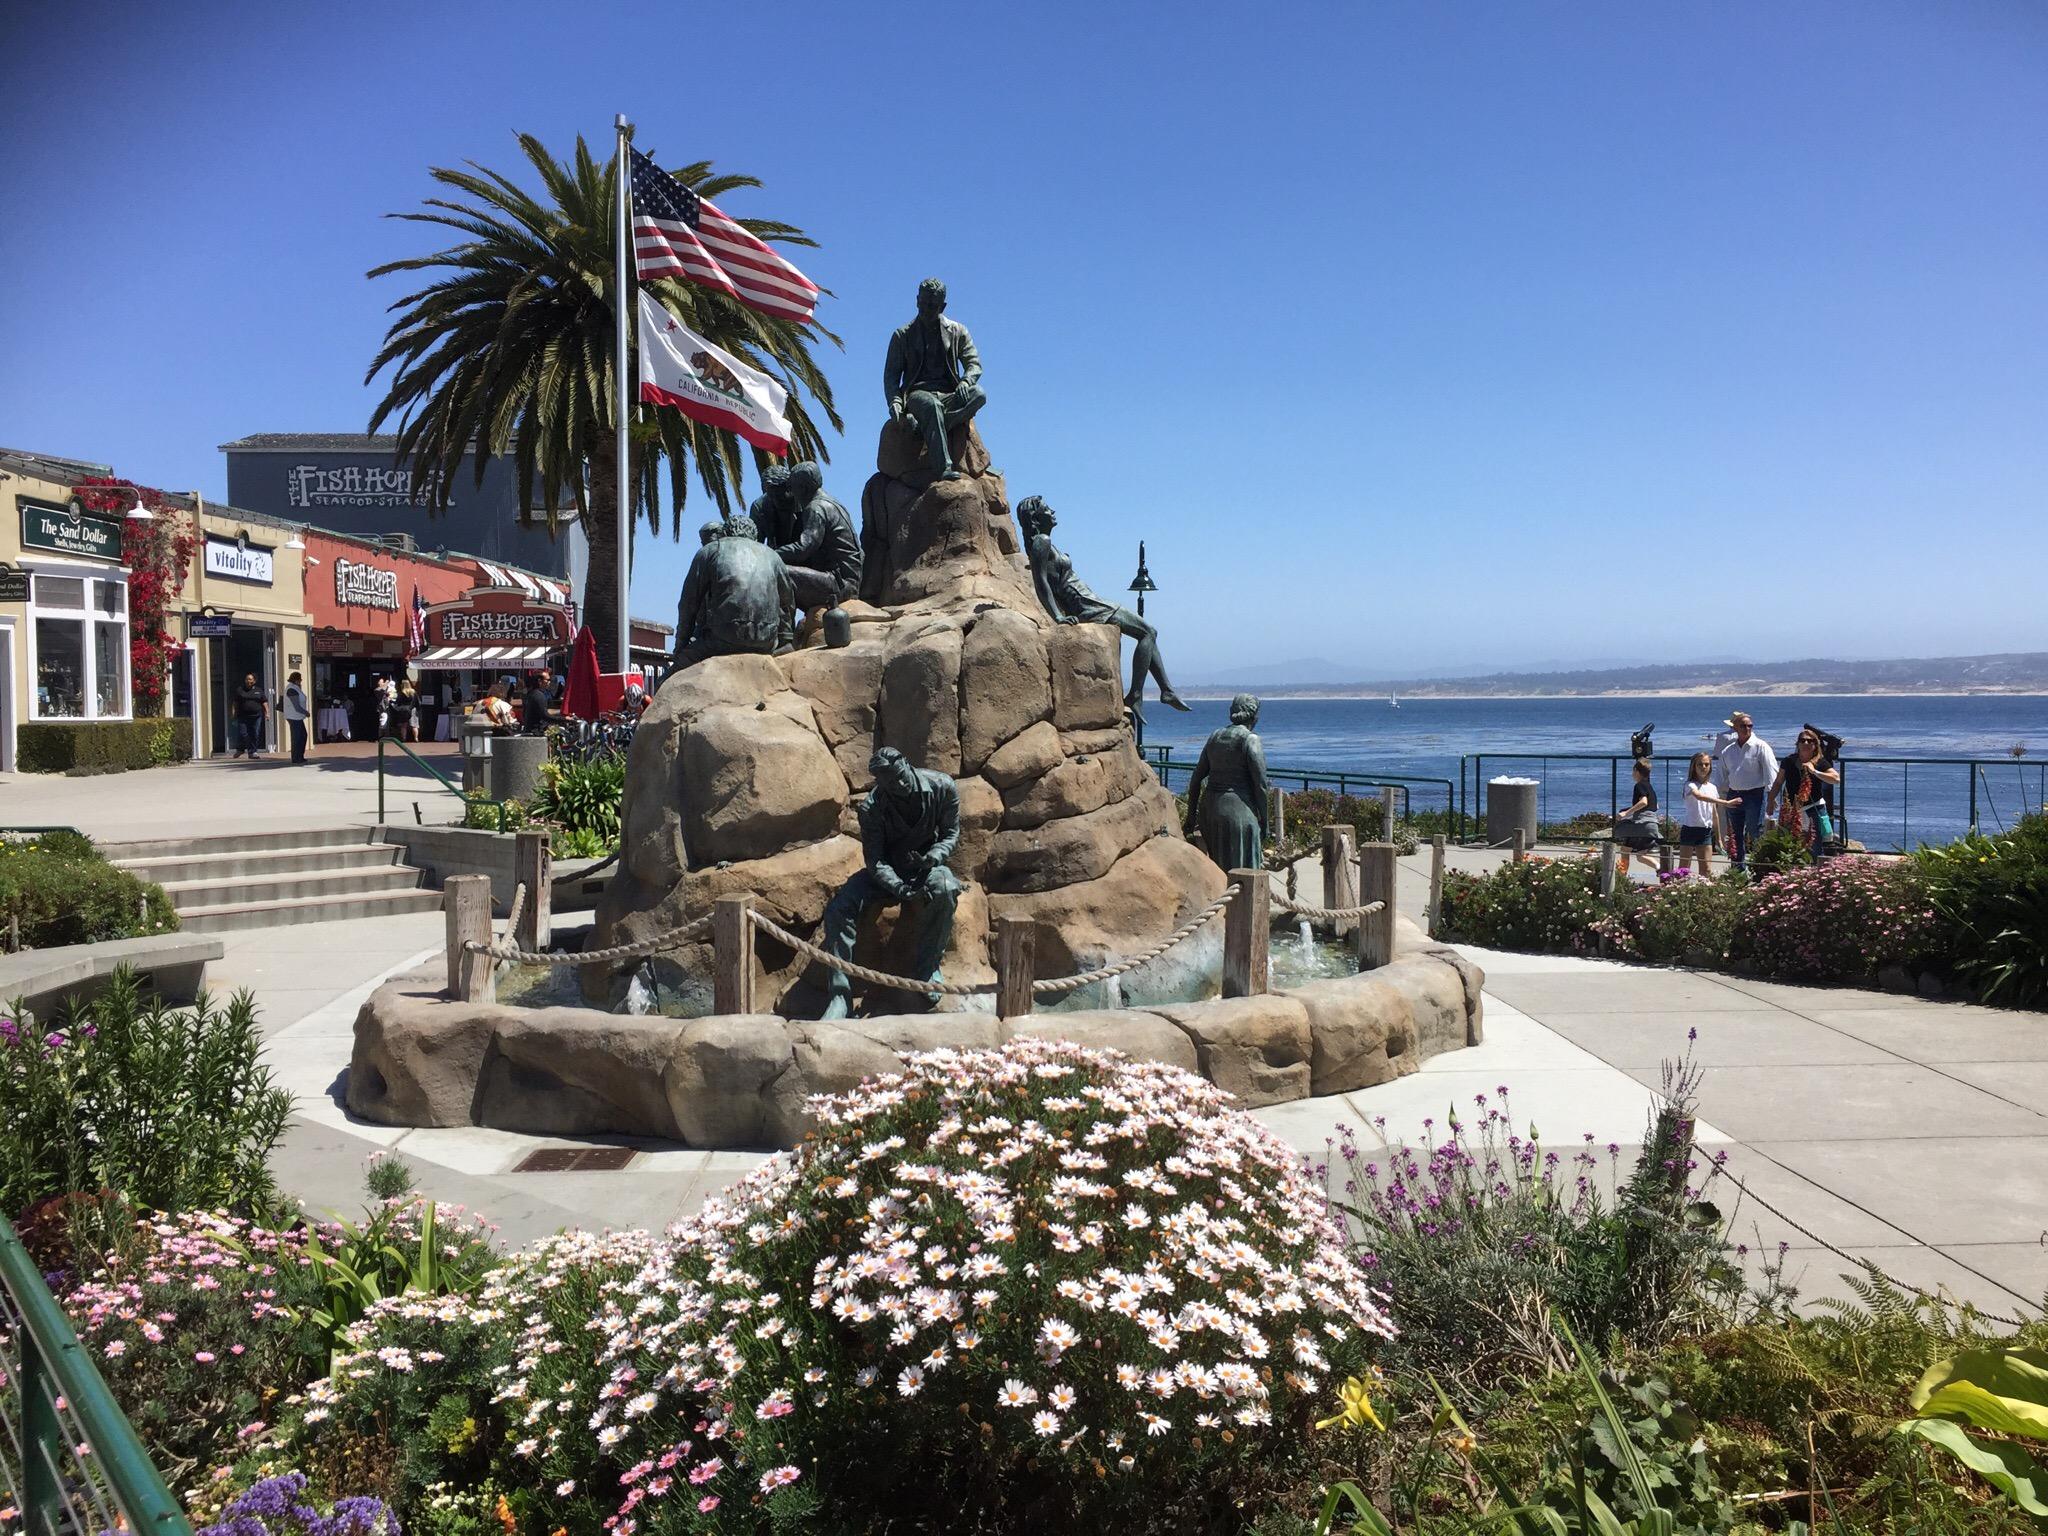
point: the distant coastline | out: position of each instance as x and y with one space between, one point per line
1705 691
2011 674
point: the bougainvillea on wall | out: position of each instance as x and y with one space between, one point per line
158 554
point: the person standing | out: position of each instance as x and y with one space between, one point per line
1745 768
1696 811
252 708
537 709
297 709
405 704
1637 828
1800 793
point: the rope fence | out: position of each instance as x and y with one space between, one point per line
1055 985
1327 914
868 974
513 954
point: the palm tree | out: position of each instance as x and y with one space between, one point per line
509 347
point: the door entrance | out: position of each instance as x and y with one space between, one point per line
249 649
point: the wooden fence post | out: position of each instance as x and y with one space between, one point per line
1521 844
1376 865
732 955
1386 813
1247 925
1340 874
1609 856
1436 883
533 866
1016 957
466 903
1277 824
1667 858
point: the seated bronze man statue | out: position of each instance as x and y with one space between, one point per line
909 825
770 512
822 550
1067 598
932 377
737 598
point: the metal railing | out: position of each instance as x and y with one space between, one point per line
2005 788
468 799
69 1459
1343 781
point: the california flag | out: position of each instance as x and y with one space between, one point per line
680 368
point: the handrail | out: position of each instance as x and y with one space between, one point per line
65 1408
498 806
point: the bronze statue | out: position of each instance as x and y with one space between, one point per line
771 512
822 550
932 377
1068 599
737 598
909 824
1227 795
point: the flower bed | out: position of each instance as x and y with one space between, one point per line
1972 915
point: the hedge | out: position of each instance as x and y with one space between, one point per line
60 746
58 890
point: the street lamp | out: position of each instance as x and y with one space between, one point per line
1142 582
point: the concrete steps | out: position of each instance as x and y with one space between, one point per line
266 879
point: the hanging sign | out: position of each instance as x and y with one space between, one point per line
357 585
498 616
68 530
238 560
209 626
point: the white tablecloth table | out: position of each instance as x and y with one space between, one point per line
331 722
444 728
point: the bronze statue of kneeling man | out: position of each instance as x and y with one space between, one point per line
909 825
737 598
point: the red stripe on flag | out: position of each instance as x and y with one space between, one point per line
716 416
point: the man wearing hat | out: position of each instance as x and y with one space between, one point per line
1745 767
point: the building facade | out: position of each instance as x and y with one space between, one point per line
241 613
351 483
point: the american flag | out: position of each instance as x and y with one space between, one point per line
677 234
416 625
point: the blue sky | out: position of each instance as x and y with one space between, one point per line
1410 336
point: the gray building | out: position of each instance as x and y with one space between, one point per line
350 482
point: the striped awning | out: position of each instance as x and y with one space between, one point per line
496 658
545 588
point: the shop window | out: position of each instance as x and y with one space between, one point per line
80 630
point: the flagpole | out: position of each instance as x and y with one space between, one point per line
625 403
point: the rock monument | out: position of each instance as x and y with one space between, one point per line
745 772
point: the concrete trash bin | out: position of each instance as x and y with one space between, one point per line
1510 804
515 766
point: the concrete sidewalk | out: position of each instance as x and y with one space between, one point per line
336 786
1905 1131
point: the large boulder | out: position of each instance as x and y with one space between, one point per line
1255 1047
576 1072
757 782
1005 684
715 1077
1364 1032
1078 848
843 687
1077 786
417 1058
1144 1036
1024 756
900 454
826 1058
1087 686
919 713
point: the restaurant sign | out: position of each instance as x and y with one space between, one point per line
365 586
68 530
498 616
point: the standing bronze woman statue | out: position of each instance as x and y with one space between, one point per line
1067 598
1227 796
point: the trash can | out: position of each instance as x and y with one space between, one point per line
1510 805
477 741
515 766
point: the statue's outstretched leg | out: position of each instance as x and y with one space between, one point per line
841 927
928 412
1145 661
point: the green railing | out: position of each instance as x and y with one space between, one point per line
497 806
69 1459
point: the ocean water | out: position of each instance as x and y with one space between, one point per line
1889 805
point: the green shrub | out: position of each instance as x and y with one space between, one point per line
57 893
1776 851
1678 921
171 1108
63 746
1991 894
1534 905
582 796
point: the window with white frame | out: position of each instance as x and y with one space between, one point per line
78 645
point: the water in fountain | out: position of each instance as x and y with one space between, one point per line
1114 992
639 997
1308 939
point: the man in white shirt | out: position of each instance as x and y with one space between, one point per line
1745 767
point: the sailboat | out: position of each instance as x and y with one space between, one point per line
1392 702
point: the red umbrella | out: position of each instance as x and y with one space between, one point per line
579 694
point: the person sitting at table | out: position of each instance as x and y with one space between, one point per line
496 708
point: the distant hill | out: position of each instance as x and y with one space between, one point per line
2010 672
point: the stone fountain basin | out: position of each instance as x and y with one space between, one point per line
741 1080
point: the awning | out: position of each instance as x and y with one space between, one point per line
542 587
460 658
